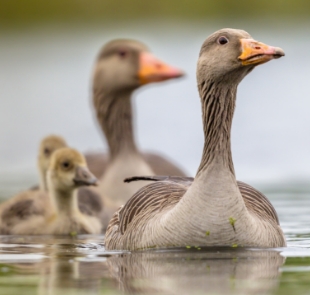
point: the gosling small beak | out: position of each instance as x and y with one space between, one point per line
256 53
84 177
152 69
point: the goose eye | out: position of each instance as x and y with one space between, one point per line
65 165
122 53
222 40
46 151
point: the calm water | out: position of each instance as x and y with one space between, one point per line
45 81
62 265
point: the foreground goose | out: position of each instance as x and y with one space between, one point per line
209 210
122 67
58 212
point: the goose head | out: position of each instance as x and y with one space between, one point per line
124 65
228 55
68 170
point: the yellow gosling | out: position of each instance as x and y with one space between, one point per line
59 213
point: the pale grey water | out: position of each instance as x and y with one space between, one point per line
44 84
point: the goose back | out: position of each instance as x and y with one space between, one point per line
165 192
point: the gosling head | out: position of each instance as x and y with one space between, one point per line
47 147
124 65
228 55
68 170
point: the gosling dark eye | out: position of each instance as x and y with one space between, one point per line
122 53
46 151
222 40
65 165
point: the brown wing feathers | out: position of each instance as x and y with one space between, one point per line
151 198
168 190
257 203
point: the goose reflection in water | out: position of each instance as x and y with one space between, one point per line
212 271
80 277
81 265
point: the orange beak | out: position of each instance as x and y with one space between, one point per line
152 69
256 53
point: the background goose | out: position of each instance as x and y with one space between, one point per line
48 146
58 214
122 67
210 210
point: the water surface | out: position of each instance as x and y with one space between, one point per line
79 265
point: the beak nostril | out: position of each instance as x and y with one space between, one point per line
257 47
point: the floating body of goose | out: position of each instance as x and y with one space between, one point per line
122 67
19 214
209 210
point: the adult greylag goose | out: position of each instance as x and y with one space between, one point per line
209 210
121 67
59 213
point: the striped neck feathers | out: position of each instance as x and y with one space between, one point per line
218 104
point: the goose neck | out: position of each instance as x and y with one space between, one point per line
43 180
64 201
114 113
218 104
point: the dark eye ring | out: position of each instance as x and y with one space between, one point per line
46 151
122 53
65 164
222 40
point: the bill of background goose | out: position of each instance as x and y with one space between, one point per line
212 209
151 69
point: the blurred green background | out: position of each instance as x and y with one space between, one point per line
27 12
